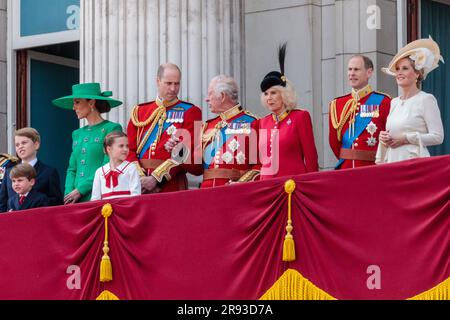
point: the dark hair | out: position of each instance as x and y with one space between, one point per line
23 170
29 133
368 63
102 106
111 138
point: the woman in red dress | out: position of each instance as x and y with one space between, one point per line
286 144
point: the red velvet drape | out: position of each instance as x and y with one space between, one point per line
226 243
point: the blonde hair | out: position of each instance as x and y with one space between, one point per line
288 95
111 138
421 73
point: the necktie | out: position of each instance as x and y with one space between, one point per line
114 175
21 200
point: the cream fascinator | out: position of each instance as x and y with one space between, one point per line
424 52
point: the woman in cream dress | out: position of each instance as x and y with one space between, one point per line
414 122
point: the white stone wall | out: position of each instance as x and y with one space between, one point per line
3 78
321 36
124 42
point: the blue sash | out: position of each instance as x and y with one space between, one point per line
209 153
361 124
152 138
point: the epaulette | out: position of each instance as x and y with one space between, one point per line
6 157
251 114
188 103
383 94
344 96
144 104
211 120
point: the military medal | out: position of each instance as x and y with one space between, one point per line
2 173
240 158
372 130
169 118
227 157
234 145
172 131
372 141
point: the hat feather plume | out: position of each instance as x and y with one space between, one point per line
282 57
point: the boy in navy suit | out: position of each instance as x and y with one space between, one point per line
23 177
28 142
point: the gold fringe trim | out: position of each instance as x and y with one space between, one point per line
440 292
105 265
289 244
107 296
293 286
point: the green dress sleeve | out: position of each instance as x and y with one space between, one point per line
72 170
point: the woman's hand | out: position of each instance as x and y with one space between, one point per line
388 140
394 143
72 197
385 137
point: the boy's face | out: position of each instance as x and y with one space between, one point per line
22 185
26 149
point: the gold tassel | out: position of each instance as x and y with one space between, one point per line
289 244
105 265
440 292
293 286
107 296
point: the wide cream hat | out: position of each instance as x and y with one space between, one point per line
424 52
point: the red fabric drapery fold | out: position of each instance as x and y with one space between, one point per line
226 243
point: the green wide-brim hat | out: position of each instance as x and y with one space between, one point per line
90 91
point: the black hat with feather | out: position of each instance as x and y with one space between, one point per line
276 78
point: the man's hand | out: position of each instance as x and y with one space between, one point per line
149 185
172 143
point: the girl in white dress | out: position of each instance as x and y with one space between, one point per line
414 122
118 178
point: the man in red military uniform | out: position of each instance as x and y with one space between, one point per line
230 141
6 161
357 119
153 124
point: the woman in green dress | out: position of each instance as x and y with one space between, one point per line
87 156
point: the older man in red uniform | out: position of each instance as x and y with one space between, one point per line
230 141
153 124
357 118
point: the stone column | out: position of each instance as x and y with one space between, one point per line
3 77
352 27
124 42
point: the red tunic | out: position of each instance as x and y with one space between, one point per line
295 153
239 151
184 122
368 140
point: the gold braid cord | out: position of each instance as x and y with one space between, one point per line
349 109
157 115
208 137
250 176
163 171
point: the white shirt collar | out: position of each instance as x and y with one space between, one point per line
33 162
